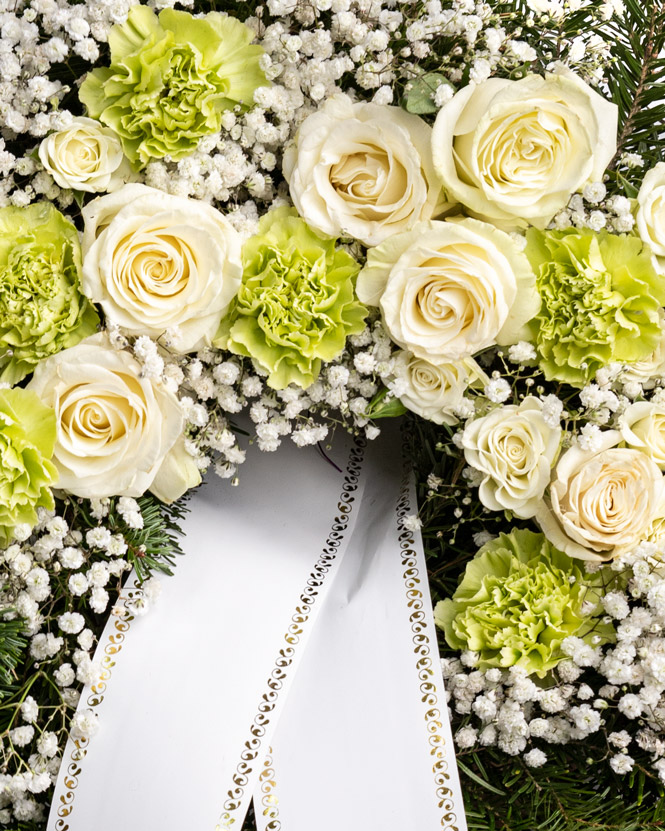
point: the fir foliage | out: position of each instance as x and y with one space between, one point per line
558 797
12 644
151 548
637 79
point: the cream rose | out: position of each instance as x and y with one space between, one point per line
655 533
515 449
86 156
601 503
362 170
156 262
447 289
512 152
434 392
115 429
643 427
651 213
646 372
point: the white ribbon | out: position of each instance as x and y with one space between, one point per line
291 658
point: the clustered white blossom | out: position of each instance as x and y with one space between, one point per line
48 573
594 209
214 388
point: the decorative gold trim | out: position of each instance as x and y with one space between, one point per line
116 638
301 615
424 649
269 801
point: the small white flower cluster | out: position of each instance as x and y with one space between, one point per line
557 9
592 209
599 401
48 573
477 40
588 55
213 387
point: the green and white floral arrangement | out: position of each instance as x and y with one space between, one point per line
318 215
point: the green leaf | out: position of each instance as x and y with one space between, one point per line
385 405
419 98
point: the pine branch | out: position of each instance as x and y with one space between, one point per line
12 644
156 546
565 795
636 78
151 548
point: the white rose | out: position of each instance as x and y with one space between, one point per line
86 156
512 152
515 448
602 502
115 428
655 533
448 289
177 473
362 170
651 213
156 262
646 372
434 392
643 427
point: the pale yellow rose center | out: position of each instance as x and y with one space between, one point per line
83 154
513 448
522 150
426 379
606 499
370 177
149 265
445 299
97 419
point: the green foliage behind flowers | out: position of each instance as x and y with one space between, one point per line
171 78
27 438
297 304
41 308
517 601
600 300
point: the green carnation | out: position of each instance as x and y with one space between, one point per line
519 598
600 299
41 308
27 438
171 77
296 305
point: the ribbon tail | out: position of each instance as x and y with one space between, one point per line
189 695
364 740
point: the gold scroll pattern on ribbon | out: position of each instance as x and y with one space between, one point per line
423 649
122 620
269 801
